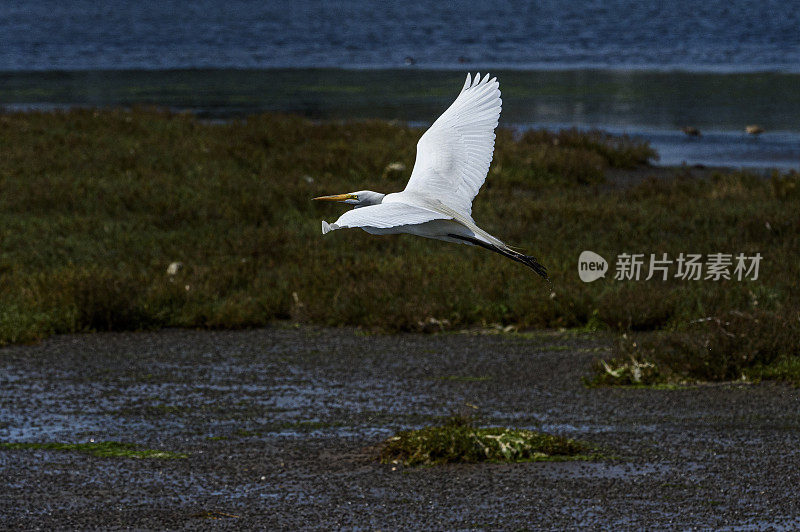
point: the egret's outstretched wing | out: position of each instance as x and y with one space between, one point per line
454 155
383 216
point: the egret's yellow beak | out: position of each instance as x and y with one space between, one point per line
337 197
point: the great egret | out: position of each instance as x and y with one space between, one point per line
453 157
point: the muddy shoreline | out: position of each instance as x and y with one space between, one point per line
281 424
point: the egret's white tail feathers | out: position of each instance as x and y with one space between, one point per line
467 222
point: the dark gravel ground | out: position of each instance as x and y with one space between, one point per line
281 427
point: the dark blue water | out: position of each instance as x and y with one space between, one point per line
714 35
582 63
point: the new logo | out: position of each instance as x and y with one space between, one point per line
591 266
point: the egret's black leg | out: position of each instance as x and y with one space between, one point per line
527 260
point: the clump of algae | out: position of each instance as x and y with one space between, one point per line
458 440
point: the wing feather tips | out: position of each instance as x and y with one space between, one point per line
483 83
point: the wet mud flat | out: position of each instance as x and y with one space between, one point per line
278 428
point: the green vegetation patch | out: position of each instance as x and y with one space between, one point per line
96 205
104 449
459 441
735 346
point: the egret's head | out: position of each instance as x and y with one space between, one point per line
362 198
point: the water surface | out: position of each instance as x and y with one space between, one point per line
711 36
649 105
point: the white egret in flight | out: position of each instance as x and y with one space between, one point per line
453 158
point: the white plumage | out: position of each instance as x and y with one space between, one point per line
453 158
454 155
386 215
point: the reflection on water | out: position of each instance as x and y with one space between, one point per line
650 105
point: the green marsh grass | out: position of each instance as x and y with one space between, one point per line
103 449
744 346
458 440
95 205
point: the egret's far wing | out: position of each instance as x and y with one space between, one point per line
383 216
454 155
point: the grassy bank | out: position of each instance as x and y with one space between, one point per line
95 205
733 346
